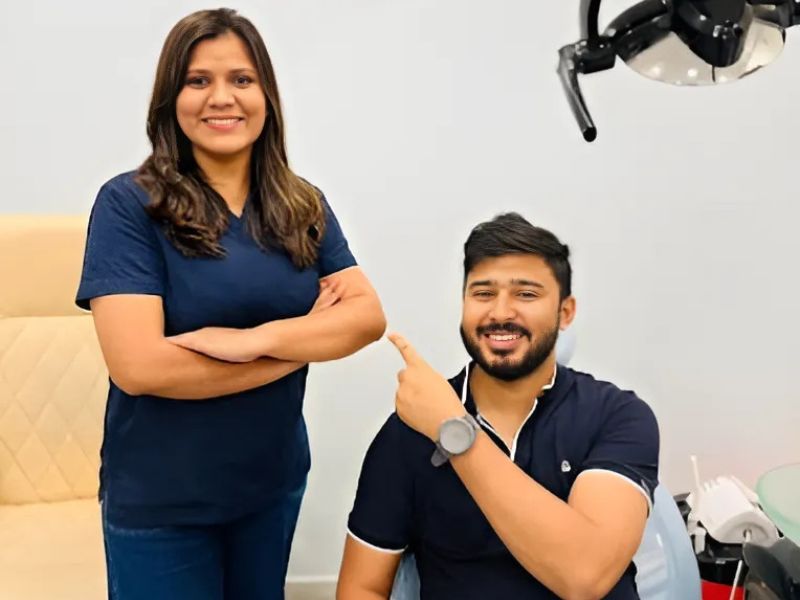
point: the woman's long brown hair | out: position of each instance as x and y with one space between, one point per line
284 211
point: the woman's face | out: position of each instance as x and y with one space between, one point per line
221 107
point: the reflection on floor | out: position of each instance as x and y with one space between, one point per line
310 591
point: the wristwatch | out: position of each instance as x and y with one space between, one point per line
456 436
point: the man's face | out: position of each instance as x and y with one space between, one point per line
512 314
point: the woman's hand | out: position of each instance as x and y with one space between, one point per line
245 345
330 292
223 343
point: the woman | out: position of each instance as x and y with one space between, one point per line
214 275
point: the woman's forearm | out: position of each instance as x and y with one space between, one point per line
180 374
327 335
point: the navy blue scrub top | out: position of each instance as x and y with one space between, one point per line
169 462
405 503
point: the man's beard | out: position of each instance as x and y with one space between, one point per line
505 369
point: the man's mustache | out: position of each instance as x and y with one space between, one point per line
503 328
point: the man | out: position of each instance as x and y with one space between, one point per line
518 478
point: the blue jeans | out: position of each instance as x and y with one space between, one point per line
242 560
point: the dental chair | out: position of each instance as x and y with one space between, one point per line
665 561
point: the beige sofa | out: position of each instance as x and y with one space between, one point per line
53 386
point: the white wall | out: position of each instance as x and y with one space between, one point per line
421 118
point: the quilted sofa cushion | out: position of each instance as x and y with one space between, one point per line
52 551
53 386
53 382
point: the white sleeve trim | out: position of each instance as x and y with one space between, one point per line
624 478
373 546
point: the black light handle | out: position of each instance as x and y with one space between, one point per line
589 15
568 73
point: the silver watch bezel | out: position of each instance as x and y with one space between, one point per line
441 455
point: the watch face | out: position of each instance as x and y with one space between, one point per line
456 436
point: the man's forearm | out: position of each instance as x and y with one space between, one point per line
180 374
551 540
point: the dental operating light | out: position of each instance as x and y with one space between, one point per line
682 42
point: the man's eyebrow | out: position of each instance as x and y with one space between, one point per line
519 282
482 283
527 282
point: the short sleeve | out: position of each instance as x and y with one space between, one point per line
628 444
382 511
122 252
334 252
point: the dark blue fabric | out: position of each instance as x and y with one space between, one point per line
167 462
404 502
245 559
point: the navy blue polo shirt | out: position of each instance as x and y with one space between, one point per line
404 502
170 462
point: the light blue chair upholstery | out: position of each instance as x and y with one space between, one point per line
665 562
